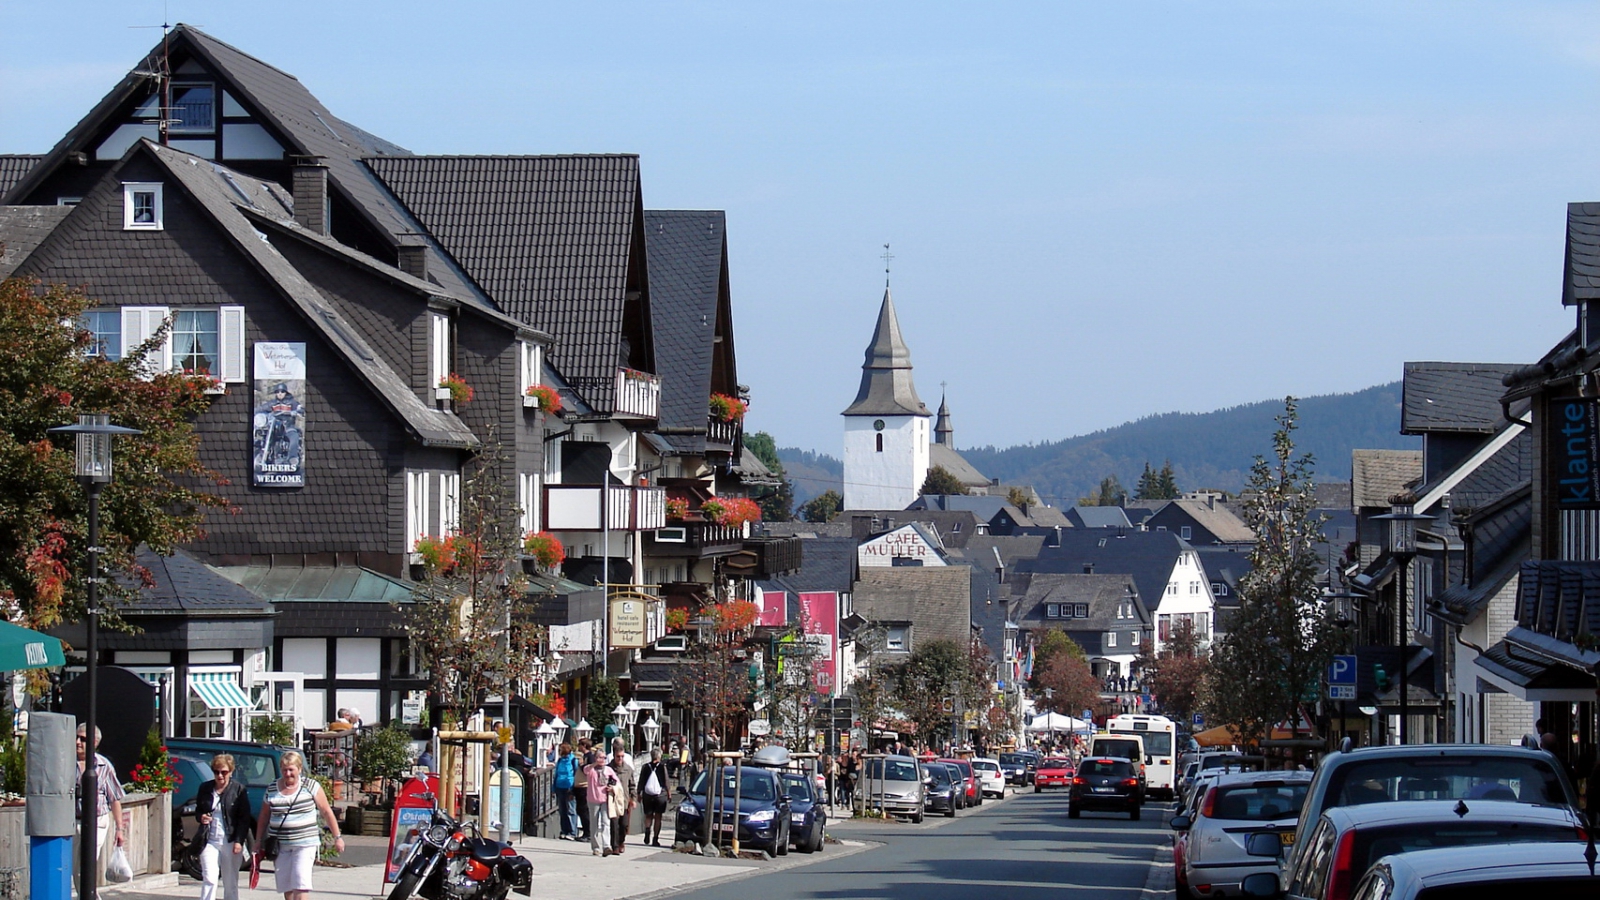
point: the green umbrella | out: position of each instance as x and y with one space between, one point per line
24 648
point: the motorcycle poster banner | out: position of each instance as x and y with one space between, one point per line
279 424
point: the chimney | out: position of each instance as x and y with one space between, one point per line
311 194
412 256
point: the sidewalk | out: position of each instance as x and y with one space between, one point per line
561 869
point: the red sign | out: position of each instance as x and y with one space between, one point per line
820 614
412 813
774 608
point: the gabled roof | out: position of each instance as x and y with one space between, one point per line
886 386
225 195
687 253
1452 397
943 456
982 505
1217 519
1148 556
1098 517
1011 549
1502 538
1503 470
1582 281
548 238
1377 475
22 228
1105 595
183 585
13 166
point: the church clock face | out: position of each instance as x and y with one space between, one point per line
877 424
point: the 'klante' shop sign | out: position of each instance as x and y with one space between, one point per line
1573 453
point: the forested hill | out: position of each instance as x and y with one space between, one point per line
1207 450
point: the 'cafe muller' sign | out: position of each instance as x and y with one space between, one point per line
1572 454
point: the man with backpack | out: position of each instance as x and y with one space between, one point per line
562 785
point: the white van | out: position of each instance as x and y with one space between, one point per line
1121 745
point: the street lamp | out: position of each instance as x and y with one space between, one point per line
619 716
633 708
583 730
92 466
1403 519
542 736
650 729
559 726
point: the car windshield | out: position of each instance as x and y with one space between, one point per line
1158 743
798 787
983 765
252 769
1105 767
756 785
1218 762
941 776
897 770
1554 887
1528 780
1124 749
1056 764
1015 759
1372 844
1259 802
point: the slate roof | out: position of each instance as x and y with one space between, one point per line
921 595
1502 538
953 527
548 238
224 196
1452 397
1220 521
1098 517
989 604
687 252
838 528
1105 593
13 166
983 506
1582 281
1377 475
185 586
827 564
1148 556
943 456
980 549
22 228
1510 466
886 386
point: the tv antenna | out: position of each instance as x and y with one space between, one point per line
159 70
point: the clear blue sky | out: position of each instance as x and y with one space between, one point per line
1098 210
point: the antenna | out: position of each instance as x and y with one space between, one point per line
887 258
161 72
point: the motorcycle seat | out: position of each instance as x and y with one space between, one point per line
484 850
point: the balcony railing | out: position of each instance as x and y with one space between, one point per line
766 557
576 507
638 395
723 435
700 539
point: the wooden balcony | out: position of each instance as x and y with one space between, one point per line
696 539
723 437
576 507
766 557
638 395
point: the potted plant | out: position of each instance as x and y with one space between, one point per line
545 549
436 554
154 772
731 512
728 409
460 392
546 398
677 508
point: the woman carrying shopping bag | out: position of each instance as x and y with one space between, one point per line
286 829
226 823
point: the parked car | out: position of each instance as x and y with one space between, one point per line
1347 840
1106 783
991 780
255 765
1056 771
895 783
946 787
1545 871
808 814
1213 861
1020 766
1415 772
974 796
184 824
762 809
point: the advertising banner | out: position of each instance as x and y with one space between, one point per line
820 613
412 814
279 425
774 608
1573 455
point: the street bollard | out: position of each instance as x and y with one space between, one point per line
50 820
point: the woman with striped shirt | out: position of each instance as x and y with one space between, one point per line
290 814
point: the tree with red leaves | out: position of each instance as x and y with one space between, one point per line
1176 675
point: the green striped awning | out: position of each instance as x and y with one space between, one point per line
219 690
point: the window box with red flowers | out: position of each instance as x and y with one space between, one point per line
728 409
731 512
545 549
460 393
677 508
437 554
542 397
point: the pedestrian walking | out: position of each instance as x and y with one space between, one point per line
566 776
107 804
622 799
602 782
653 780
289 816
580 789
222 807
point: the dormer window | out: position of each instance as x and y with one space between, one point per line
141 206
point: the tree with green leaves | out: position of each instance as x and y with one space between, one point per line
52 374
1283 637
1175 676
1157 485
777 501
1110 493
1019 497
1062 679
823 507
604 696
938 671
941 481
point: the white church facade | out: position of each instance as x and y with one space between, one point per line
886 429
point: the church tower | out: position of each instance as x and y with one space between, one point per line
886 428
942 432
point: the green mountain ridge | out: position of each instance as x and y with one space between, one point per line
1207 450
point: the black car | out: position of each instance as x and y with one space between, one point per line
946 789
1019 767
1106 783
808 815
762 811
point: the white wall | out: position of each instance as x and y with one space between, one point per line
887 480
1187 591
902 543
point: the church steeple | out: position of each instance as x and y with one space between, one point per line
942 432
886 386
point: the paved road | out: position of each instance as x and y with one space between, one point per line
1023 849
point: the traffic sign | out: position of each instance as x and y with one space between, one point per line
1088 715
1199 720
1342 671
1341 692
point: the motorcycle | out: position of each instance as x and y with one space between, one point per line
452 861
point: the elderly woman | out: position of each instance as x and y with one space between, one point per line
223 808
290 814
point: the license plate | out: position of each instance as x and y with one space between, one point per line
1287 837
726 826
798 818
1104 790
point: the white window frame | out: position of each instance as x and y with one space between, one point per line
130 190
1133 639
528 500
438 353
1052 610
230 345
1185 532
530 361
900 644
1111 639
417 484
449 503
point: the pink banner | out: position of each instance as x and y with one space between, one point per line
820 614
774 609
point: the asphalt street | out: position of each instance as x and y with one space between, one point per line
1023 849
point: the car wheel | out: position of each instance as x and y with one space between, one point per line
1037 789
916 819
950 812
1134 814
780 847
1072 812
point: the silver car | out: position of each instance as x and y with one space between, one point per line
896 784
1548 871
1215 861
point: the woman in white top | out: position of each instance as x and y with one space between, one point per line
290 814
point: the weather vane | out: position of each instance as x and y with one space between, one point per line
887 258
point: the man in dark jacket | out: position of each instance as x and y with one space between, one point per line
226 825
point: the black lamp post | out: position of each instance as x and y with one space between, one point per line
1403 519
93 470
1344 618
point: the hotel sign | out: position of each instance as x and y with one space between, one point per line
1573 454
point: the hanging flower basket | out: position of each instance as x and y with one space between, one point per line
728 409
677 619
545 549
731 512
460 391
545 398
677 507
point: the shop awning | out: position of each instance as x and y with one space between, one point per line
219 690
24 648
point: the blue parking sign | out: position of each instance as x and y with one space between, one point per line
1342 670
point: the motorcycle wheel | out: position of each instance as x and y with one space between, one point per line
406 886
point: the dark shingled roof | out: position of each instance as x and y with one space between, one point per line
886 386
1104 593
22 228
1148 556
827 564
1509 467
548 238
1453 397
687 250
1582 280
184 585
13 166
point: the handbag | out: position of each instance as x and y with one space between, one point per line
269 844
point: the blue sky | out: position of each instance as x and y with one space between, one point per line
1099 211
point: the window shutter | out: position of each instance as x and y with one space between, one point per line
439 366
230 344
138 324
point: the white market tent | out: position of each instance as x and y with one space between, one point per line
1056 722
